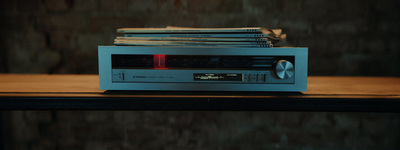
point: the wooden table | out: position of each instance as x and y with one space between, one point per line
71 92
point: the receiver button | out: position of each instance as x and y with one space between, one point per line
284 69
264 77
249 77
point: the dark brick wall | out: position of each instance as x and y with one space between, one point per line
65 130
345 37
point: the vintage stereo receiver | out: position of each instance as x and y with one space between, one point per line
280 69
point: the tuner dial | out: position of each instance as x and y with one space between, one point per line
284 69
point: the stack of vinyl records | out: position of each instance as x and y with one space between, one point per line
183 36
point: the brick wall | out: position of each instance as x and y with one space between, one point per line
65 130
345 37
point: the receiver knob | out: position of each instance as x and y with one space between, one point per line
284 69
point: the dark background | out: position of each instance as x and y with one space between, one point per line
344 37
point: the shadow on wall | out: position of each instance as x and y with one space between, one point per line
354 37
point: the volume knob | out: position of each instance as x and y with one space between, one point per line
284 69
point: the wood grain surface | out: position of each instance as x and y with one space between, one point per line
32 85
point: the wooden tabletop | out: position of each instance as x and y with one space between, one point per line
41 91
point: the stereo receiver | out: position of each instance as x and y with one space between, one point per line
280 69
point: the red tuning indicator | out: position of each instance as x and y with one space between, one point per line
159 61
